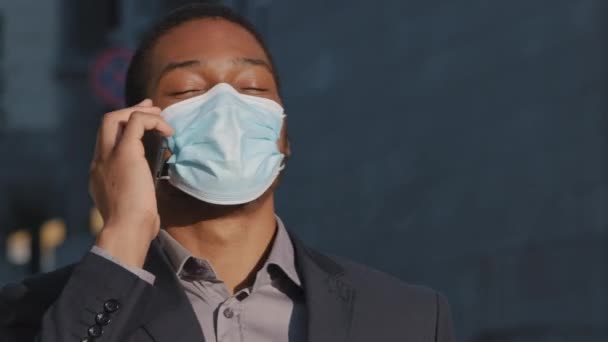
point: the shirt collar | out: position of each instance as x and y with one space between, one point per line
281 255
180 259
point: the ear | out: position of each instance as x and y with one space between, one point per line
287 146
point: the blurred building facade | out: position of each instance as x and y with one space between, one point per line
454 144
29 117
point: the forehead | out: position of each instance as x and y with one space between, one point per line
208 38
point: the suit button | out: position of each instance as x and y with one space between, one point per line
102 318
95 331
111 305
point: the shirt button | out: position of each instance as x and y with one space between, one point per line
95 331
102 318
111 305
228 313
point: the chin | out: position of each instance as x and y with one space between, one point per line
173 202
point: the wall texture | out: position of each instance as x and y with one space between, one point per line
458 144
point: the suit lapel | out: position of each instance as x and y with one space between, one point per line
329 296
169 316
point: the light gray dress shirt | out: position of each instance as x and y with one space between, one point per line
272 309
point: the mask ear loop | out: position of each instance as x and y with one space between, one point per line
285 157
164 174
283 162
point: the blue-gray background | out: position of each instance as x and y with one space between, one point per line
456 144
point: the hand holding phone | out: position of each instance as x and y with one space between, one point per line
122 183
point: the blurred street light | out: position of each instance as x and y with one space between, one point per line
52 234
18 247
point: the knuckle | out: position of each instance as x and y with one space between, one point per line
137 116
107 118
123 150
112 118
119 149
117 115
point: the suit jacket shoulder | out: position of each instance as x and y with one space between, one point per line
382 286
392 306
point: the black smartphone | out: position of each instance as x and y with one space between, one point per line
159 161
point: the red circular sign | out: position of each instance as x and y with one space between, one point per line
108 75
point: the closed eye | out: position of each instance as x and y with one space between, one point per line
254 89
185 92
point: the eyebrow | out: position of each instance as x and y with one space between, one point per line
179 65
194 63
253 61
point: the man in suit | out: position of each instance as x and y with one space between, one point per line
196 252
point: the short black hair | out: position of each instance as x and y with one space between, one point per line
137 75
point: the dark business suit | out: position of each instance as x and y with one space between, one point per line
345 302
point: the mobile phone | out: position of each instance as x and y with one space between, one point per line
159 160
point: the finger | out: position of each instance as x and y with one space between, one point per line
145 103
112 125
111 128
141 122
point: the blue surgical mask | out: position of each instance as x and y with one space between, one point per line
224 146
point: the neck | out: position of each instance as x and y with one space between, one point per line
236 242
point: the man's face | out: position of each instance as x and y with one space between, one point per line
195 56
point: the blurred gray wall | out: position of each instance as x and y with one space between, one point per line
458 144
